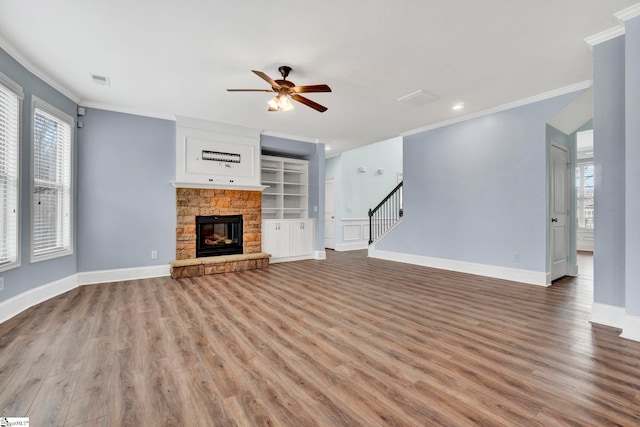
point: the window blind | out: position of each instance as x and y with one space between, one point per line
51 221
9 143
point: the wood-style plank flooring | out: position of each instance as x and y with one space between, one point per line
344 342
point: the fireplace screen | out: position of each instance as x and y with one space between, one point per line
218 235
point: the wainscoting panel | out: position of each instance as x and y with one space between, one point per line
355 234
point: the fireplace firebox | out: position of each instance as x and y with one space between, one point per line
218 235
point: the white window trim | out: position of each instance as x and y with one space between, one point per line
17 89
580 164
42 105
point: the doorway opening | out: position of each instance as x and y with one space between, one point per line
585 195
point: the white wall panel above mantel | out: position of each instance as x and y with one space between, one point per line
216 154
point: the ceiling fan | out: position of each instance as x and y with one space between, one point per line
286 89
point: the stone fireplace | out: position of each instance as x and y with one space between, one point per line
199 202
217 183
194 203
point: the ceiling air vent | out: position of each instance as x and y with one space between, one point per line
418 98
101 80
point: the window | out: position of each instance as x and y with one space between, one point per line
51 208
10 102
584 195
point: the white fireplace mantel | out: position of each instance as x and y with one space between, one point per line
218 186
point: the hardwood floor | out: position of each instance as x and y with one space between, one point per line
346 341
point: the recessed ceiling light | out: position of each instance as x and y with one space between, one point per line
327 148
458 107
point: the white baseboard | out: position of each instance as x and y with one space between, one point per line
19 303
631 327
524 276
320 255
291 258
573 270
121 274
608 315
355 246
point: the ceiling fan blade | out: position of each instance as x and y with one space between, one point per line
266 78
309 103
311 88
249 90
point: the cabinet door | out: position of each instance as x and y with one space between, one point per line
302 237
275 238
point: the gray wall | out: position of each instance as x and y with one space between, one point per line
357 192
314 153
126 206
477 191
331 167
29 276
632 171
609 161
361 191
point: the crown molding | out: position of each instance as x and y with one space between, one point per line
292 137
22 60
628 13
604 36
519 103
623 16
125 110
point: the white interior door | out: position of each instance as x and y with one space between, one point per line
559 215
330 213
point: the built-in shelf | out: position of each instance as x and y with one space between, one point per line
286 195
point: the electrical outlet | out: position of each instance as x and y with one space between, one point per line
154 254
516 257
1 283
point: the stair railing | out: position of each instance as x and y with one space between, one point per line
386 214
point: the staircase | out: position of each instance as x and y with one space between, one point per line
387 214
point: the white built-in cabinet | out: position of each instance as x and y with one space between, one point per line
287 232
288 239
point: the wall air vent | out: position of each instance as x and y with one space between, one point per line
418 98
101 80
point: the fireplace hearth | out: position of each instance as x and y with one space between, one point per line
218 235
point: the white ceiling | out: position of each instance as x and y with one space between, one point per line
167 58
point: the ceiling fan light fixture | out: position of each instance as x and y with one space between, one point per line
286 90
285 103
274 103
